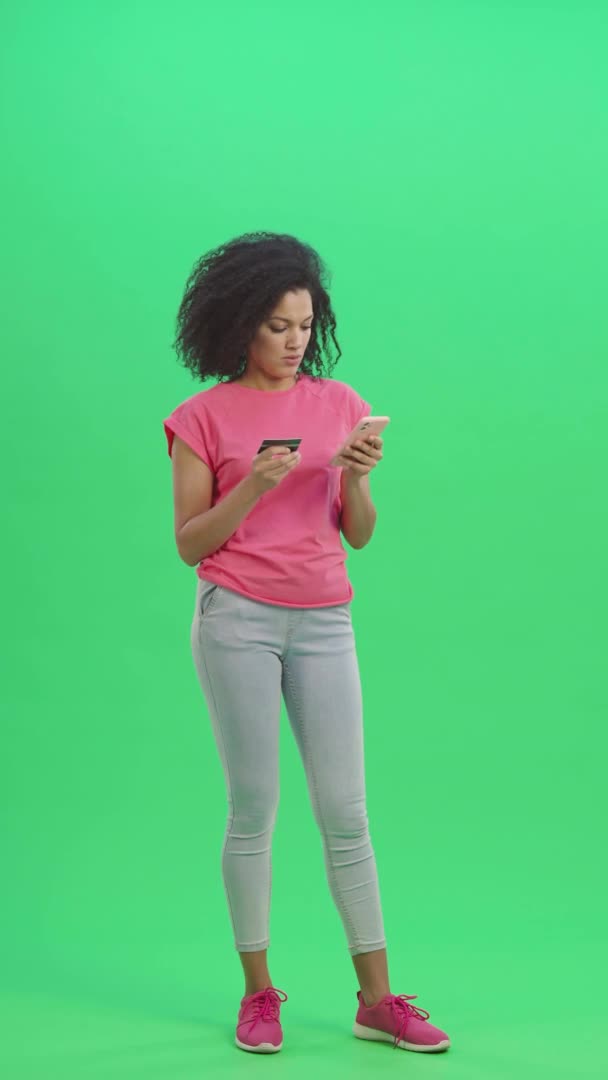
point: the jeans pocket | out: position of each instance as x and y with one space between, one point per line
207 596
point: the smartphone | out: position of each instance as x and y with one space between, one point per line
292 444
368 425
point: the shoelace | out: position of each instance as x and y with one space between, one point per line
265 1005
402 1009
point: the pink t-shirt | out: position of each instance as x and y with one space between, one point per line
288 550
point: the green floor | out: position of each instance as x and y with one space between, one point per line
509 1014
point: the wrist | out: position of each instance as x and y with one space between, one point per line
352 480
250 489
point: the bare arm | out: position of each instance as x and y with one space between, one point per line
201 529
358 518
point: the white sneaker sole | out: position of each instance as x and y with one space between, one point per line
373 1035
262 1048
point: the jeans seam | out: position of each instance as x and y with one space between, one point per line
352 942
230 820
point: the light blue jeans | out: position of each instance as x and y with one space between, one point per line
246 654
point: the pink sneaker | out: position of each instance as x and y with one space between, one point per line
258 1026
394 1019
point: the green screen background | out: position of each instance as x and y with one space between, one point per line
448 160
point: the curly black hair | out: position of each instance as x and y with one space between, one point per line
232 289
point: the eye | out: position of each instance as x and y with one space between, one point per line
281 329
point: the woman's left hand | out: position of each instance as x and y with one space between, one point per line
363 456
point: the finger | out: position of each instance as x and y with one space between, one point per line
359 455
277 451
369 451
280 465
284 459
278 469
283 464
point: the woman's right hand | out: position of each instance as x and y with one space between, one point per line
272 466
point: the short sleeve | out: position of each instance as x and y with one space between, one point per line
359 407
191 422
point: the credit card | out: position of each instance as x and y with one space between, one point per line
292 444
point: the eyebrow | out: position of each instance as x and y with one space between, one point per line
282 318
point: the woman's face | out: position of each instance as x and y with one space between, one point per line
285 333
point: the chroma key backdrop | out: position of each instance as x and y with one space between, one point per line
448 160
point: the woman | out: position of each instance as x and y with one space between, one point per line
272 612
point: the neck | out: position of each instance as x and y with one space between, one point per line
245 381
